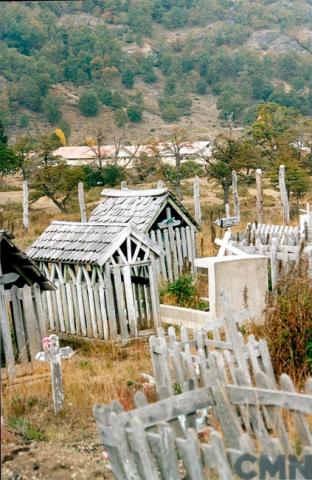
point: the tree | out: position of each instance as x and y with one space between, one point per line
9 162
134 113
121 118
172 146
58 182
88 104
51 107
231 154
127 78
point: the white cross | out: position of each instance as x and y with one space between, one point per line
53 353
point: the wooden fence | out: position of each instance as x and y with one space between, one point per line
178 437
98 310
27 318
179 245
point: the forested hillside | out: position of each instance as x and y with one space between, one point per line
146 63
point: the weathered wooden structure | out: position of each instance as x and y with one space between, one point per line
21 311
160 215
105 278
200 434
230 405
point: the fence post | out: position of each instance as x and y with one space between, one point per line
25 206
284 194
123 185
82 206
274 265
160 184
259 195
235 195
197 208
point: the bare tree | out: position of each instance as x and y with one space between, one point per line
172 146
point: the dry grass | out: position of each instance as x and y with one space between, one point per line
95 374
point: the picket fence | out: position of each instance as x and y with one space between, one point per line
27 318
178 437
179 246
227 386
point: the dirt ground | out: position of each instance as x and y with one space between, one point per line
56 460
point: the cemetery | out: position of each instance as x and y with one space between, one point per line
205 391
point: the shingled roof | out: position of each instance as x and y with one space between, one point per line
15 260
138 207
74 242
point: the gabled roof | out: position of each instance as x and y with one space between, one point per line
138 207
74 242
14 260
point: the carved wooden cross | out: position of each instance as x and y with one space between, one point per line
53 353
169 222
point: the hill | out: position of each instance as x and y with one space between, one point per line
145 64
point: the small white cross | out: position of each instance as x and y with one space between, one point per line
53 353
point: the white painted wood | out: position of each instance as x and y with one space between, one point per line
25 205
284 194
70 303
235 195
197 206
103 312
6 336
81 200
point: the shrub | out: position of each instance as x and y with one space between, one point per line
288 323
109 175
185 292
134 113
88 104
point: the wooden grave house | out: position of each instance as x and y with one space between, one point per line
105 279
160 215
21 309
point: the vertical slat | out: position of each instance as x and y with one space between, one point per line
179 250
168 255
81 310
162 257
48 296
126 272
98 313
6 336
33 334
19 324
183 240
42 320
109 296
121 307
70 308
103 312
86 305
174 256
77 322
55 311
154 297
58 296
92 312
64 307
189 248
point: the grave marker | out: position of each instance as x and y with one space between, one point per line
53 353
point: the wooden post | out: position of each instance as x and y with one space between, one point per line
123 185
227 210
25 206
5 330
82 206
259 195
160 184
197 209
53 353
284 194
235 195
274 264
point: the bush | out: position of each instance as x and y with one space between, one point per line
134 113
109 175
288 320
184 292
88 104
